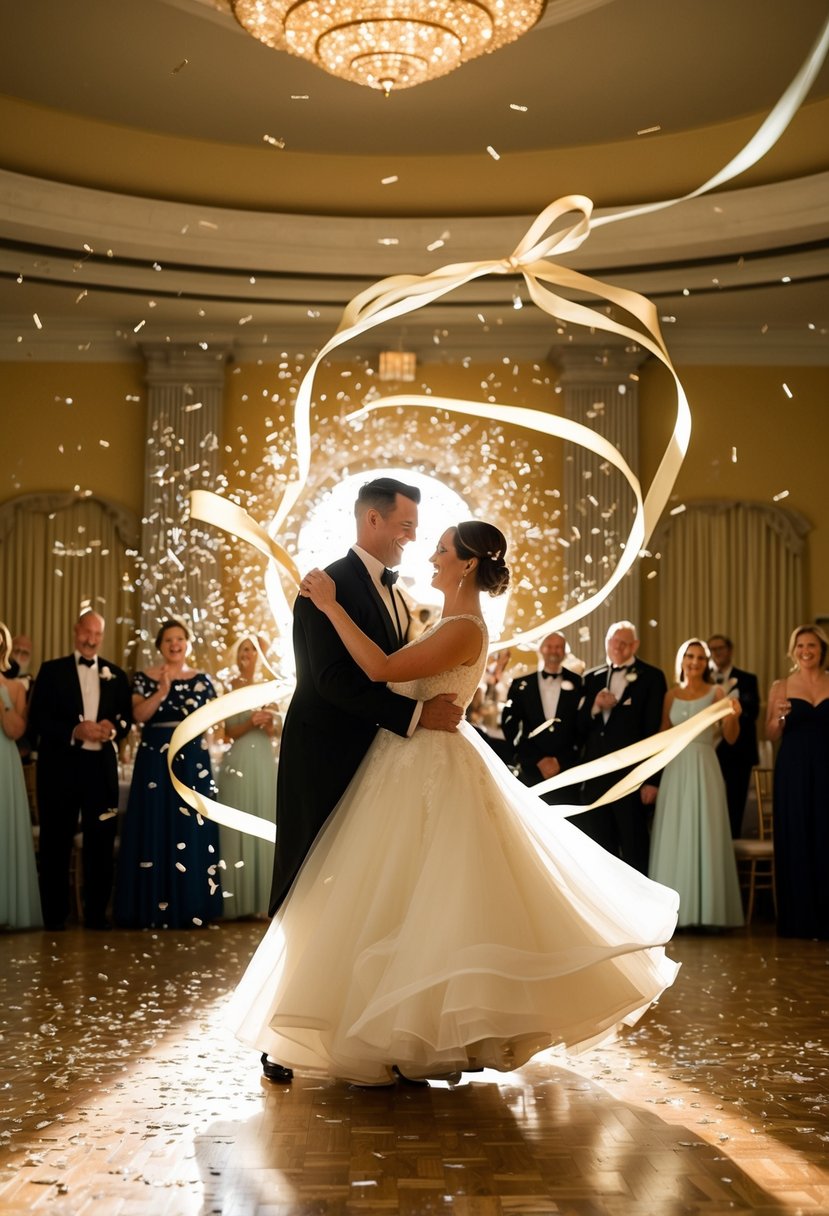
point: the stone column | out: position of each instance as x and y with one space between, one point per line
180 567
600 391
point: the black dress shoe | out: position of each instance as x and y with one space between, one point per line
101 925
275 1072
417 1082
55 926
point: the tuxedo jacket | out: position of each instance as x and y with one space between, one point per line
743 752
523 712
636 716
55 710
333 716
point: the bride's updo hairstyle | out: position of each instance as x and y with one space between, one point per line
473 538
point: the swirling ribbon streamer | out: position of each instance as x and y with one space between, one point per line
251 697
648 755
399 295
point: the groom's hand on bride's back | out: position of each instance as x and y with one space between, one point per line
441 713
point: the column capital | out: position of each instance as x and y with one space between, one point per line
583 365
173 363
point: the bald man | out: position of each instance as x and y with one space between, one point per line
80 711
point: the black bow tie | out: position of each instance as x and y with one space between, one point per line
719 678
626 667
86 662
551 675
389 577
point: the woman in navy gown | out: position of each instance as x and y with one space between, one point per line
168 873
798 715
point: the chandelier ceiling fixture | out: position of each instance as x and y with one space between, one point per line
387 44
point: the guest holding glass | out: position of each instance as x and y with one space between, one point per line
19 895
691 847
247 781
798 716
168 873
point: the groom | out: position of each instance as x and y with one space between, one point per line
336 710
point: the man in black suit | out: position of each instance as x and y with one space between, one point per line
540 719
736 759
80 710
622 704
336 710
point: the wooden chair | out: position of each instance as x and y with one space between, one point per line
755 856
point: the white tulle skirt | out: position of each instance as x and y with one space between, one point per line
447 919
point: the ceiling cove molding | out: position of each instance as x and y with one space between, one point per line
719 346
54 214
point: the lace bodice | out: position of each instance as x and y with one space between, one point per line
461 680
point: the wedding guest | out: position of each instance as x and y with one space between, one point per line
247 781
540 719
19 669
79 713
168 874
444 919
798 716
691 849
736 759
622 704
19 895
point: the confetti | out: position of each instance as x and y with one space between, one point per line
495 155
180 66
649 130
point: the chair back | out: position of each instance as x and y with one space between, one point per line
763 788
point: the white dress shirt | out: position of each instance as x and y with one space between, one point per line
549 691
390 598
91 692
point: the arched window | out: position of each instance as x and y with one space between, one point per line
60 554
734 568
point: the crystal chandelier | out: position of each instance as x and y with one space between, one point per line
388 44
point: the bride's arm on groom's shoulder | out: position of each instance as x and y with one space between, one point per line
457 642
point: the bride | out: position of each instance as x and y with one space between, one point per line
446 918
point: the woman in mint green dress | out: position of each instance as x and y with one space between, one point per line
691 847
247 781
19 893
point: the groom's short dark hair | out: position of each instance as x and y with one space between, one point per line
381 494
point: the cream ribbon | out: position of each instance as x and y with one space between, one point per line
399 295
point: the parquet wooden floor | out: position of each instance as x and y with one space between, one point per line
122 1095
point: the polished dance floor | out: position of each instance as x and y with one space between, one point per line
122 1094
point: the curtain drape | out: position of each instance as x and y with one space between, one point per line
732 568
60 554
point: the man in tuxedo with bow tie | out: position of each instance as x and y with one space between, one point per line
336 710
623 701
540 719
80 711
738 758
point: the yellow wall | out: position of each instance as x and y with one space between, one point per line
780 444
57 419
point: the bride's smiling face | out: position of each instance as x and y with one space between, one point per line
449 569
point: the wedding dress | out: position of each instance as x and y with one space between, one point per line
447 919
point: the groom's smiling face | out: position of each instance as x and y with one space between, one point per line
391 534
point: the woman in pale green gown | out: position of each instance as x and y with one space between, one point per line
19 893
247 782
691 847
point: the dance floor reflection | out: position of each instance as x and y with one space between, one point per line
122 1093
